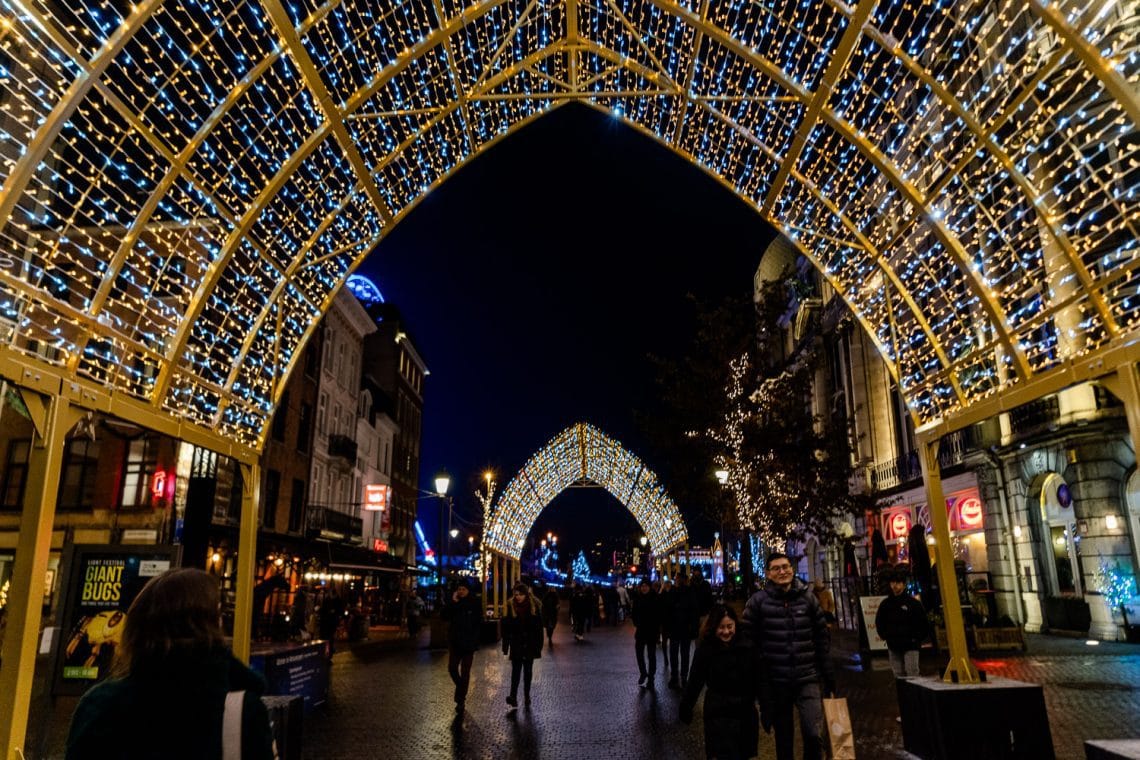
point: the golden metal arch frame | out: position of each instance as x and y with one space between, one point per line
577 467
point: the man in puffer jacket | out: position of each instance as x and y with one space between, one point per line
784 623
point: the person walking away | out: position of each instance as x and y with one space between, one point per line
522 640
623 601
171 676
646 614
328 619
703 591
415 612
610 603
901 622
464 618
784 624
580 601
726 670
665 600
683 623
550 613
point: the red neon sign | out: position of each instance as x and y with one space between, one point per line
379 545
970 513
158 484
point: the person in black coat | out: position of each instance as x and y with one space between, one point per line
901 622
465 619
580 604
646 614
683 624
550 604
727 669
522 639
171 674
784 624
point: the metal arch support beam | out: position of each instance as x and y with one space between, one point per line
46 135
881 162
301 58
28 372
53 416
690 72
1114 84
449 53
247 559
960 668
819 99
572 38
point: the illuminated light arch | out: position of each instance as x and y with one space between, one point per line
582 454
961 173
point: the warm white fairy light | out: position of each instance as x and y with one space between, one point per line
968 186
583 454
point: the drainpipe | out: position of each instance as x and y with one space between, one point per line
1019 613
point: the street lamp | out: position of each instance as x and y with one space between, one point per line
645 555
442 481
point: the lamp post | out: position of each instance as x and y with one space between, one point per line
442 481
645 555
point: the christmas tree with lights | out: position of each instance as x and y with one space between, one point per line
581 568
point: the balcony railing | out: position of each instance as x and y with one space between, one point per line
328 523
343 447
906 469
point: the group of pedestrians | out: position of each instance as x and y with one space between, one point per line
670 615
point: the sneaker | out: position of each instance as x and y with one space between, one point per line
512 701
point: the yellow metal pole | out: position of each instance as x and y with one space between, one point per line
960 669
53 417
496 579
246 559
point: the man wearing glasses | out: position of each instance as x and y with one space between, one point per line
784 623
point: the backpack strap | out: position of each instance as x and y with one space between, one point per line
231 726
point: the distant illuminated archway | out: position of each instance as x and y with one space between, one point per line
582 453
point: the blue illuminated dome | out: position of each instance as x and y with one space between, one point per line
365 290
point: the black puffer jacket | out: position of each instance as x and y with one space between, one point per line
732 728
684 616
901 622
790 633
646 615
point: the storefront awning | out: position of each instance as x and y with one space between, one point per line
364 568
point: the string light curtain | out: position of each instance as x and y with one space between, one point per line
582 454
186 184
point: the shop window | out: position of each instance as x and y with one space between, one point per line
142 459
15 474
1064 560
77 484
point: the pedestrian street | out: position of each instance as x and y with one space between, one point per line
396 703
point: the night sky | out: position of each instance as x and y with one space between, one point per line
536 281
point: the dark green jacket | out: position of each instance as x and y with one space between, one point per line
172 712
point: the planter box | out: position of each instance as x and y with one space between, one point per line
999 638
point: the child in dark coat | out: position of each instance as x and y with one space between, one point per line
901 622
728 670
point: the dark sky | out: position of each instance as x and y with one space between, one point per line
536 281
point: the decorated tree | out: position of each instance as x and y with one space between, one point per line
581 568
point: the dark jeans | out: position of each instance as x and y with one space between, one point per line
642 647
459 668
805 698
524 668
681 647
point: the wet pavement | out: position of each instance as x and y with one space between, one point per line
391 700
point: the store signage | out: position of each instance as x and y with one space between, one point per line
379 545
868 610
896 523
969 513
158 484
900 524
376 497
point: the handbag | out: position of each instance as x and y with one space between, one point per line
231 726
840 739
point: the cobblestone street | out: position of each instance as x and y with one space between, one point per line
395 703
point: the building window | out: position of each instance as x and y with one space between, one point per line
142 459
296 505
305 429
15 474
322 407
312 365
77 485
279 418
272 493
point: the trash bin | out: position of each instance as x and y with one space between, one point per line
285 717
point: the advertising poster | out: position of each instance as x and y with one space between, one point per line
103 582
301 671
869 607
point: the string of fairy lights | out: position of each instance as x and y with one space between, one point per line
582 453
177 207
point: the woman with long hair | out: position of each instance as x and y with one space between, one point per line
522 639
170 680
729 672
